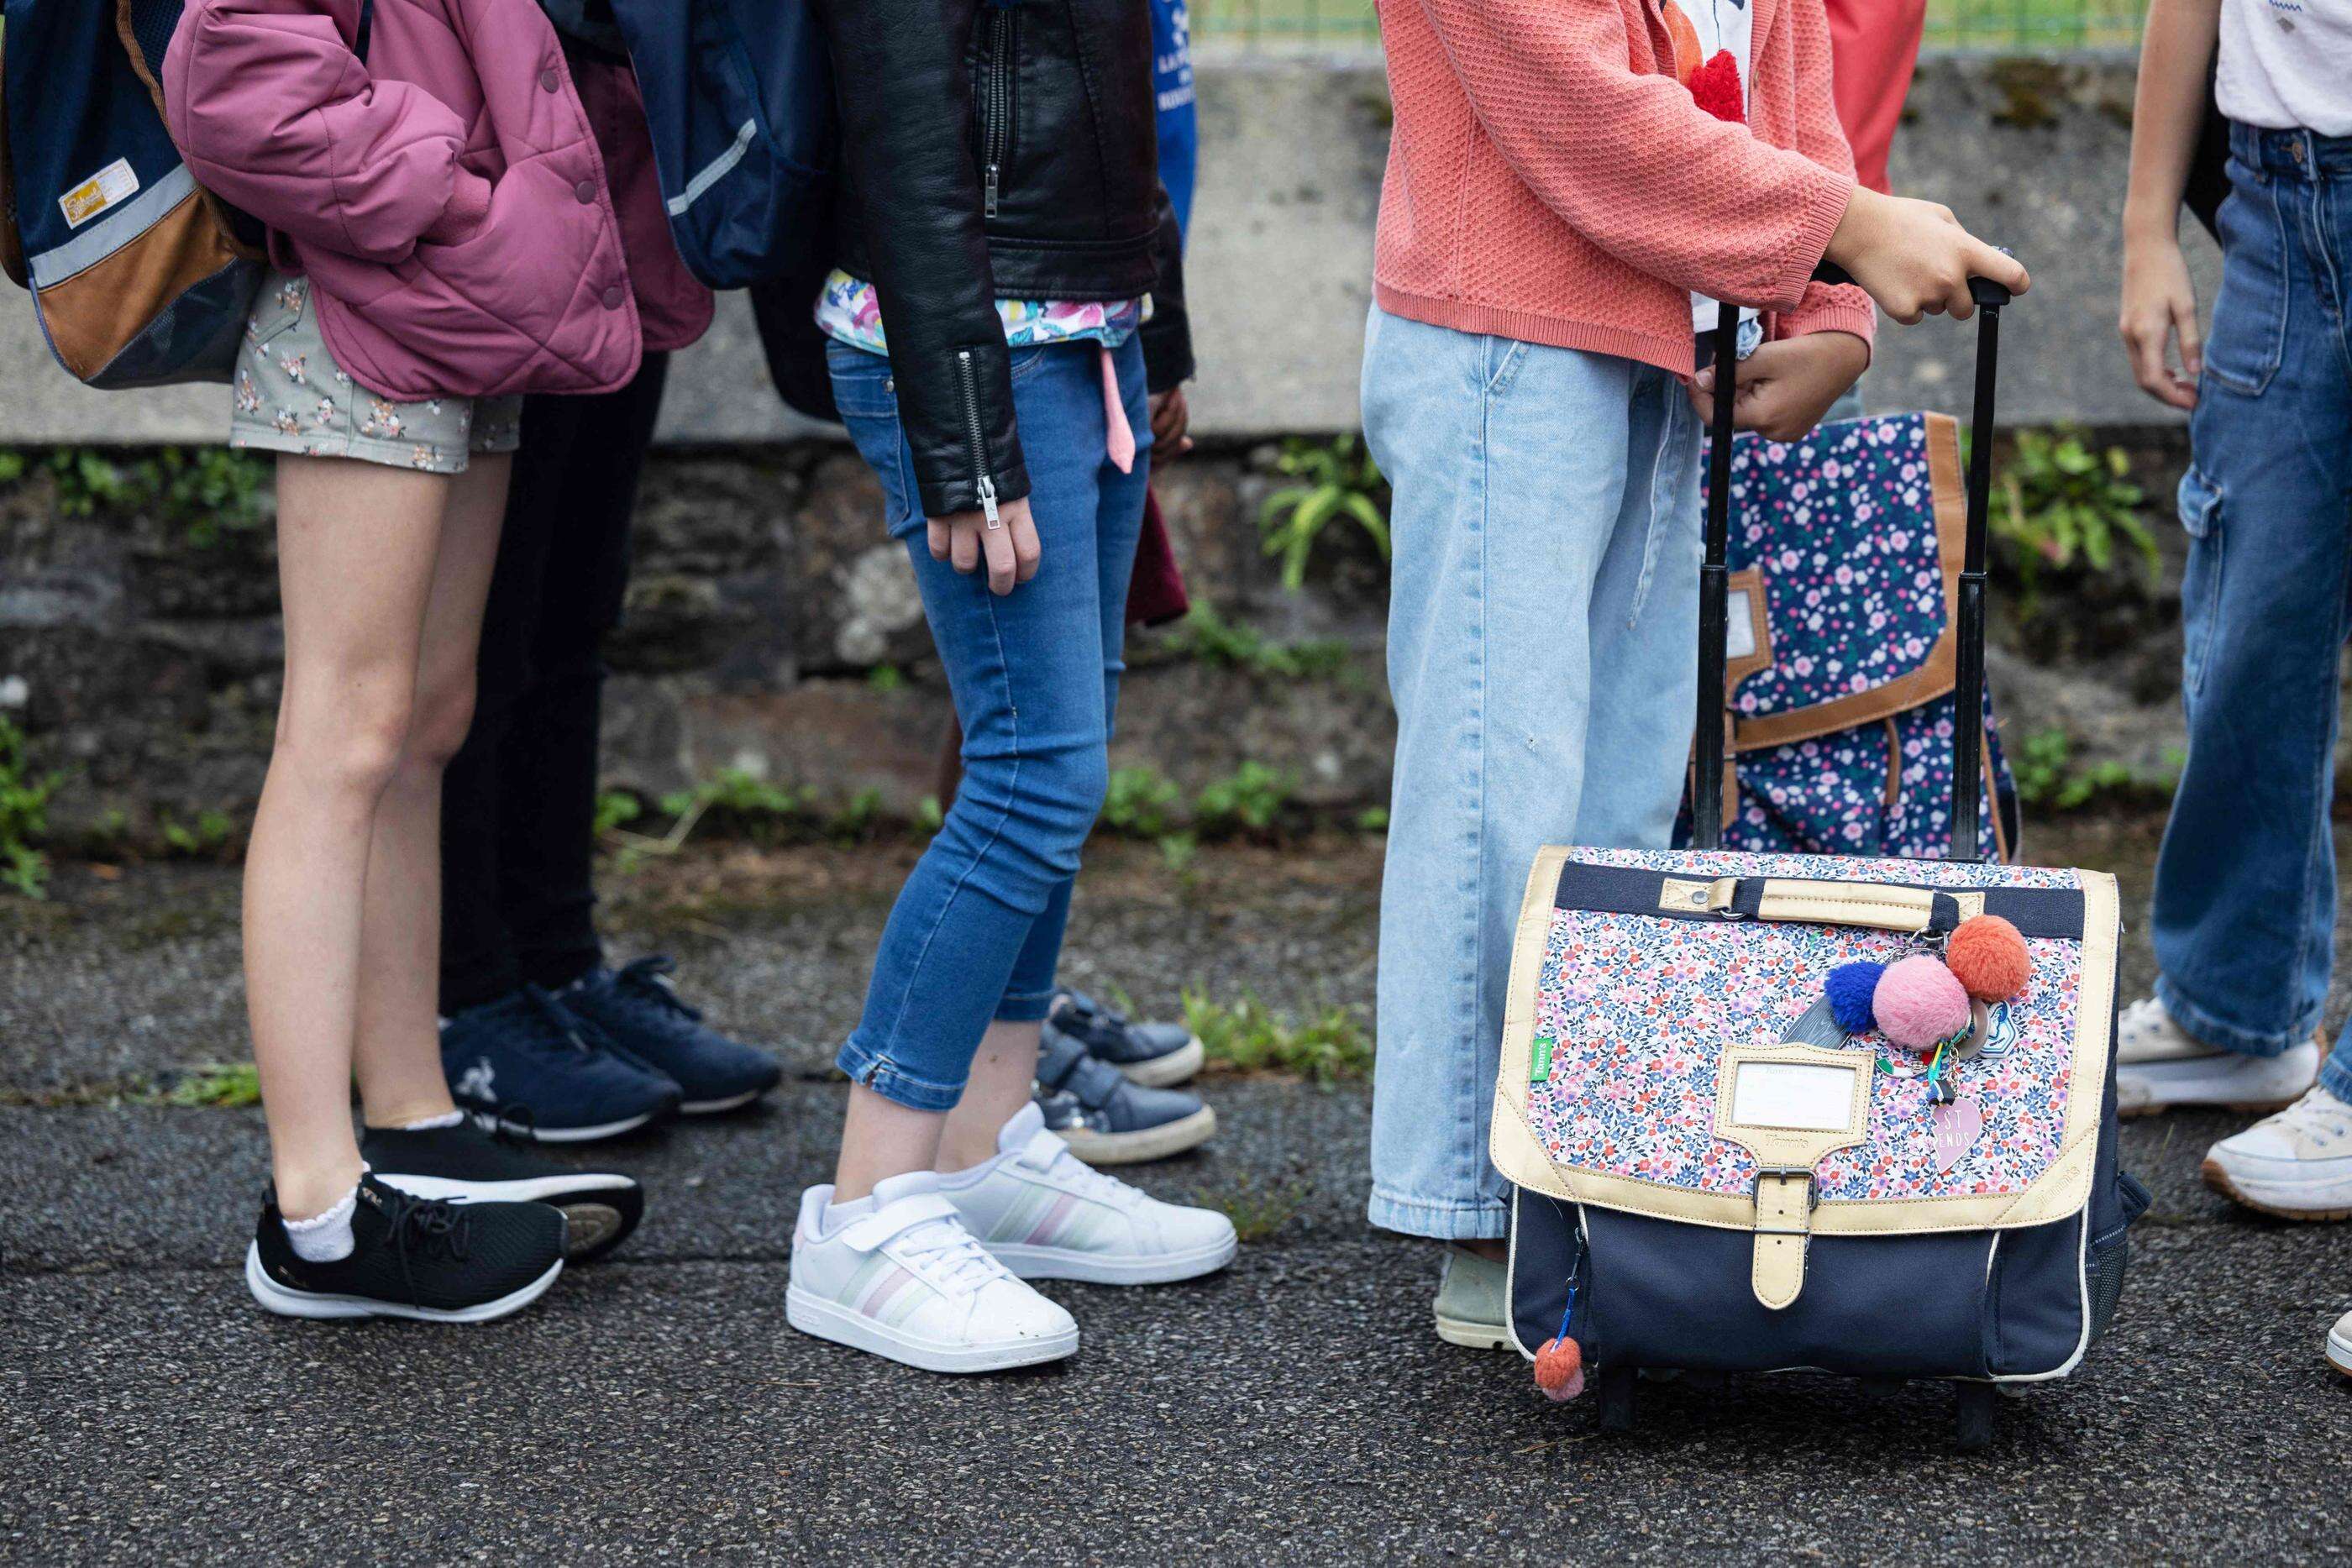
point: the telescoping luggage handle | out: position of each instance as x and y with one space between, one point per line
1714 585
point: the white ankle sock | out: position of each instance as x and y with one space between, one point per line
837 1215
432 1123
325 1238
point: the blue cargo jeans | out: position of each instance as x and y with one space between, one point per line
1543 627
2245 886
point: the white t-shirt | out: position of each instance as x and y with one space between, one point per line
2285 64
1725 24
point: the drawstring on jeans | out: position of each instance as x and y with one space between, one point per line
1119 441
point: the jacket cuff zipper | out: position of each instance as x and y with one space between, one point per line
969 375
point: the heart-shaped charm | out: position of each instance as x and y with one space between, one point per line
1956 1126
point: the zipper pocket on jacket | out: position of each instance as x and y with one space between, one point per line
969 375
996 105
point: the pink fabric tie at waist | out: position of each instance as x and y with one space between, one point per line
1119 441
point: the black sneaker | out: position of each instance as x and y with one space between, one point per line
412 1258
1156 1055
466 1164
636 1008
1108 1119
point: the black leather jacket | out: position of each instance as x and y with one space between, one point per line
997 148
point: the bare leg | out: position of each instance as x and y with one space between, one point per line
398 1052
1002 1075
356 544
881 1138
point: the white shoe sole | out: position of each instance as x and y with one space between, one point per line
538 1189
289 1302
1473 1335
1149 1144
2339 1351
713 1107
831 1321
2227 1081
1093 1269
2270 1186
588 1134
1178 1066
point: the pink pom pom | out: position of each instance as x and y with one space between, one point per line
1560 1370
1918 1002
1989 957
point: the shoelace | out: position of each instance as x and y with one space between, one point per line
556 1029
950 1255
421 1226
2319 1115
643 983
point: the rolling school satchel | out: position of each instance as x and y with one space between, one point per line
1725 1160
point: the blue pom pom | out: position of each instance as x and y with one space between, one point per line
1850 989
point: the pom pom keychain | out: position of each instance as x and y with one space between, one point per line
1850 989
1560 1364
1918 1002
1989 957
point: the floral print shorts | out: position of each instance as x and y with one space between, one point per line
291 396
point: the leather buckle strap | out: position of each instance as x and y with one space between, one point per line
1785 1199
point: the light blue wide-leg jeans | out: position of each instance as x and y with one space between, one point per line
1543 621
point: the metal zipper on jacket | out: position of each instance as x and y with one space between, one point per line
987 487
996 105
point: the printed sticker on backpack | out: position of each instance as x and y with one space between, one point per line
101 191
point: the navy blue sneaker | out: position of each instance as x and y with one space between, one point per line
526 1061
1156 1055
1108 1118
636 1008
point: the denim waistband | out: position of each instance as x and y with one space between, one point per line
2296 154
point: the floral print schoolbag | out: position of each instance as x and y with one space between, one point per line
1845 553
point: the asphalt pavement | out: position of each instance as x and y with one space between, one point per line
1296 1408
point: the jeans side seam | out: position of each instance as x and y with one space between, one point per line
1468 1123
939 915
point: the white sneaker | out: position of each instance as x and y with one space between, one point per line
2158 1066
2296 1165
905 1280
1046 1215
2339 1345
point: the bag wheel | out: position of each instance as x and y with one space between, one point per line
1972 1415
1613 1387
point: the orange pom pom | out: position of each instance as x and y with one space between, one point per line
1559 1369
1989 957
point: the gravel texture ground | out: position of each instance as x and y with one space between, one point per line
657 1407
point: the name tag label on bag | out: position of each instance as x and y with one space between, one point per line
100 191
1793 1094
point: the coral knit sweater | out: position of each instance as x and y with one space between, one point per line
1550 180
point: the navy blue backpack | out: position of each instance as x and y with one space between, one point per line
739 97
139 276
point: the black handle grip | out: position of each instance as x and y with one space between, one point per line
1983 290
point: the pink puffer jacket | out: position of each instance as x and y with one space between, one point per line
475 216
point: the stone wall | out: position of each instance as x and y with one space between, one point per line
765 599
2030 151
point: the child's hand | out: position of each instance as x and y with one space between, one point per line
2160 303
1171 418
1010 548
1915 259
1785 387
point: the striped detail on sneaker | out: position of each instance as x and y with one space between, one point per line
883 1291
1043 1217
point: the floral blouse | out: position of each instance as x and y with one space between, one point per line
848 312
